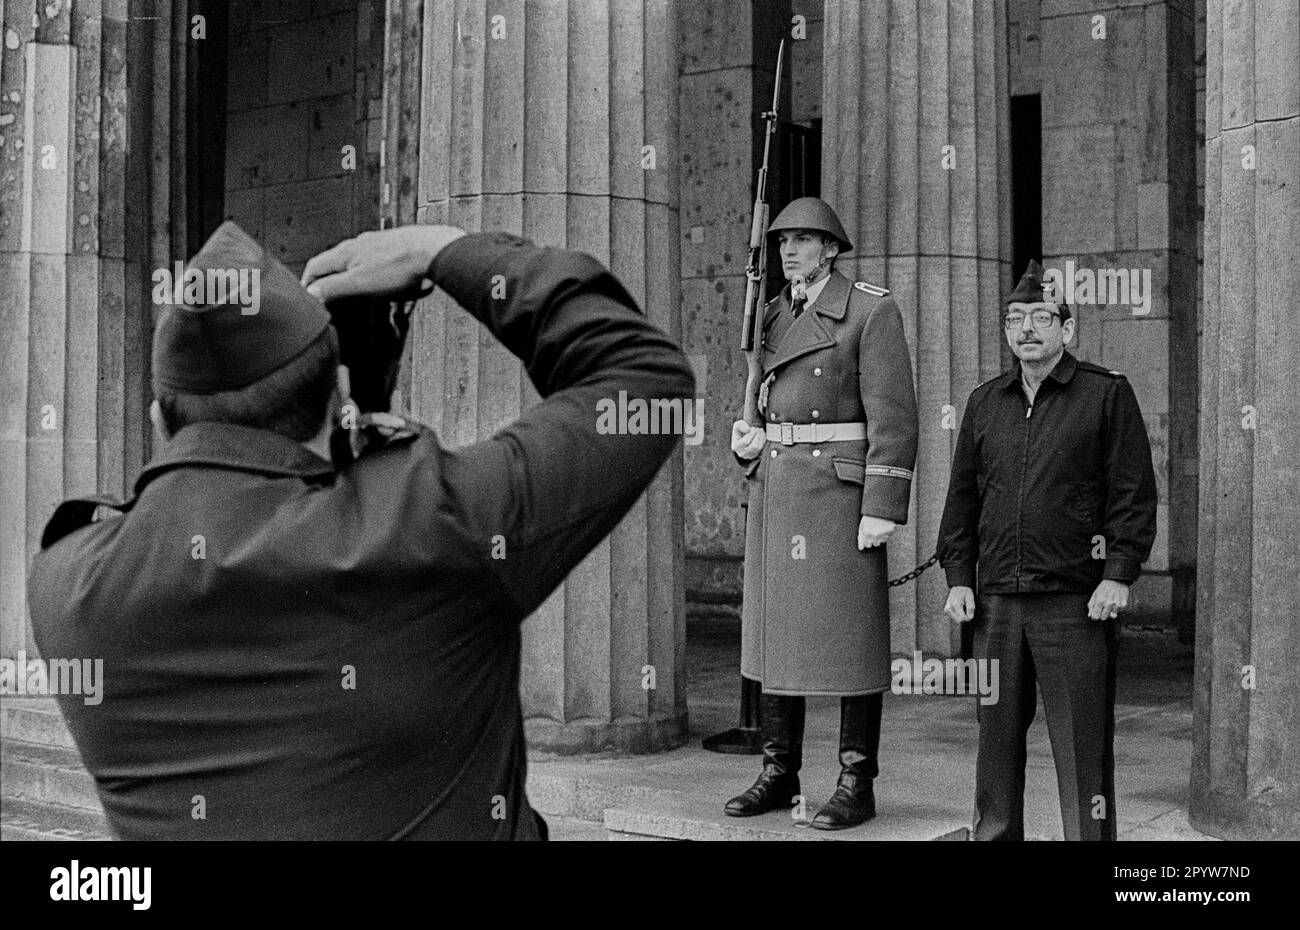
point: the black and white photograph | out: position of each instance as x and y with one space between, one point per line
627 420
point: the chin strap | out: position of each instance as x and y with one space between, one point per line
799 283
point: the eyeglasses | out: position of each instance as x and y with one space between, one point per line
1042 319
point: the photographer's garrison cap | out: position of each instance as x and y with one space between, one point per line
209 347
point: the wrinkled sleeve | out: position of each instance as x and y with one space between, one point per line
535 498
1130 527
889 399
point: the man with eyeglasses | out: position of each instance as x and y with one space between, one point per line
1051 512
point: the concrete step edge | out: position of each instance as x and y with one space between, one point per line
684 822
23 818
580 798
45 773
34 721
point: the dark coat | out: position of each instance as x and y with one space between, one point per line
1033 490
343 662
816 608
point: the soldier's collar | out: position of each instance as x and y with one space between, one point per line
241 448
833 301
1061 374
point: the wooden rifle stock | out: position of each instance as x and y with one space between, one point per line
751 332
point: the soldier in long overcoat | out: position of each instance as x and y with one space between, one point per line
829 476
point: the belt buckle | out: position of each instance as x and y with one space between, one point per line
787 434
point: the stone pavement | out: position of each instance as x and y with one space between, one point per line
924 791
926 784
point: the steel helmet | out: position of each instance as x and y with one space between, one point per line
815 214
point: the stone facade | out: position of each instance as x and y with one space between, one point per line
303 105
538 118
92 197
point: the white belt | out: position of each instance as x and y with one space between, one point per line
790 433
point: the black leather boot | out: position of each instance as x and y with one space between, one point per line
778 784
854 800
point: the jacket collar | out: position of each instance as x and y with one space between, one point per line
833 301
808 333
226 445
1061 374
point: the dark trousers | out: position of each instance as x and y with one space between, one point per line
1047 641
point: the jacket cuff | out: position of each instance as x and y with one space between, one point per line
960 575
886 496
461 266
1122 570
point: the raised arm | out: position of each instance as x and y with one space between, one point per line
556 481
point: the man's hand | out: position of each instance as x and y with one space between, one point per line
1108 600
961 604
873 531
747 441
388 263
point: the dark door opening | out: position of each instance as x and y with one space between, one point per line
1026 181
797 164
205 128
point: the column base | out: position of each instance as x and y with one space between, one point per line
579 737
1273 815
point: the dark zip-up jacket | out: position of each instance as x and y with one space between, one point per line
341 657
1053 497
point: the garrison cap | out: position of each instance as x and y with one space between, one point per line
235 316
815 214
1033 287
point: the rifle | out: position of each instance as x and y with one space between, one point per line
751 329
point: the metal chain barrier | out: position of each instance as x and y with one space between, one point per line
914 573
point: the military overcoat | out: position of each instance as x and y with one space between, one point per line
816 608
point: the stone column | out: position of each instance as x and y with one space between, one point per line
915 161
557 120
89 93
1246 713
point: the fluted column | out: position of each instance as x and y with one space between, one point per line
90 201
1246 713
915 161
557 120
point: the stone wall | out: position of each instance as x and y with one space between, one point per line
725 80
305 80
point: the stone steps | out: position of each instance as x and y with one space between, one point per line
48 774
48 795
24 819
34 720
649 812
45 793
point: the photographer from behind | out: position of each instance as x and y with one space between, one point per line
299 645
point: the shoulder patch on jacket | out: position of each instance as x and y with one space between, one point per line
1097 369
872 289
